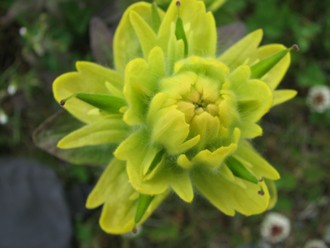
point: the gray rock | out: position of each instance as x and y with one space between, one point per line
33 211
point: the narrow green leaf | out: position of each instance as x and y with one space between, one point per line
155 162
155 18
239 170
262 67
106 103
180 34
142 206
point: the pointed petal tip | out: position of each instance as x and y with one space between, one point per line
81 63
259 32
281 96
62 144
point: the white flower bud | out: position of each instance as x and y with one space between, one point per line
275 228
318 98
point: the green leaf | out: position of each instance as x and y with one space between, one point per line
47 135
142 205
262 67
239 170
155 161
106 103
180 34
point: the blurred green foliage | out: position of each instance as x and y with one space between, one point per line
40 39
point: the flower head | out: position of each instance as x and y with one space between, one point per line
315 243
319 98
181 116
275 228
3 117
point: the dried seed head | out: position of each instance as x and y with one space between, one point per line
261 192
295 48
62 102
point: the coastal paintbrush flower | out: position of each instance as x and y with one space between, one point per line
181 116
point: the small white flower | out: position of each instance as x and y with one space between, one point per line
12 88
275 228
318 98
316 243
22 31
3 117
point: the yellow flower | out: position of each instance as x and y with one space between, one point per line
181 116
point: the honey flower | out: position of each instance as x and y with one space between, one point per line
315 243
275 228
3 117
318 98
182 116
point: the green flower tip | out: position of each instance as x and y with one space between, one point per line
181 116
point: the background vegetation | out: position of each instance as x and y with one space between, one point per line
41 39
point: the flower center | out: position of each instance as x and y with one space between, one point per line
198 100
276 230
318 99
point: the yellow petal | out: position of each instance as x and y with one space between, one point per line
141 83
230 197
259 165
146 36
102 132
119 199
281 96
90 78
202 32
105 184
181 184
127 38
240 53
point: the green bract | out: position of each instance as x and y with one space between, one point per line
181 115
